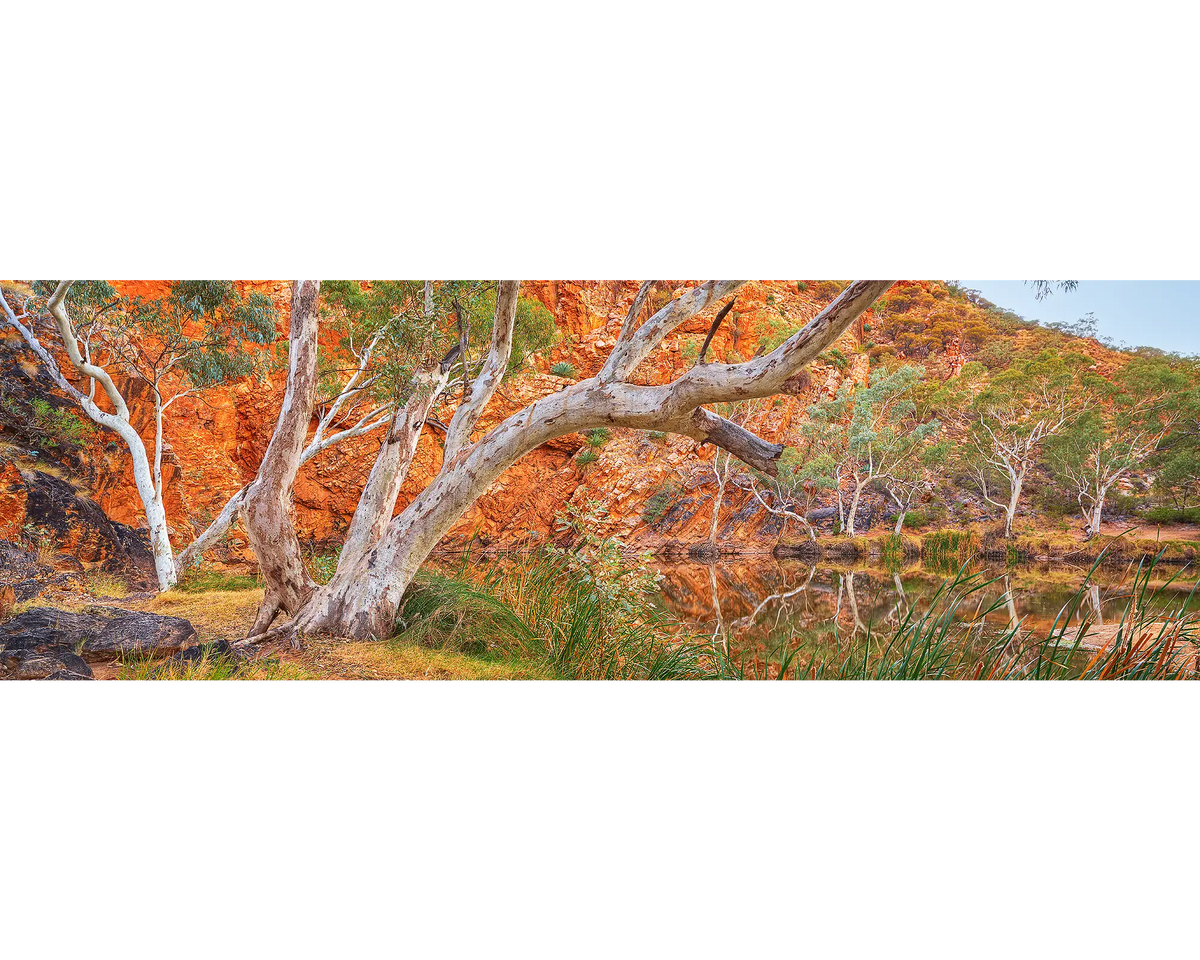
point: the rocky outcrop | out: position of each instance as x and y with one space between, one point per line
59 663
21 573
94 633
45 507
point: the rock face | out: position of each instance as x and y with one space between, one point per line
20 572
96 632
215 442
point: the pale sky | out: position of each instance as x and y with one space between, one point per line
1155 313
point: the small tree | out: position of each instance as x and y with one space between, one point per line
1013 417
794 490
874 433
1128 419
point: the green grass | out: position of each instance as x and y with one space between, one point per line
893 550
947 550
210 667
541 613
564 369
586 457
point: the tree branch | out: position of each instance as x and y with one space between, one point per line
458 434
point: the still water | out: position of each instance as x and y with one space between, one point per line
758 605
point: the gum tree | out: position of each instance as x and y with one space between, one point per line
875 434
1128 419
372 374
184 343
1011 420
362 597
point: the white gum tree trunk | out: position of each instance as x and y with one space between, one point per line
852 513
390 470
362 598
267 503
149 492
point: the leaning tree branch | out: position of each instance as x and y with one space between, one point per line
361 599
635 310
629 353
721 314
458 435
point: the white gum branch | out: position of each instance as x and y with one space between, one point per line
458 434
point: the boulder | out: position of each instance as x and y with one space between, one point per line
58 664
98 632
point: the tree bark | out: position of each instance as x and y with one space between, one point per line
1018 481
853 512
458 434
268 500
390 470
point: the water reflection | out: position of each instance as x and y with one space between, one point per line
756 605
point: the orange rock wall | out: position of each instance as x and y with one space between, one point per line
214 442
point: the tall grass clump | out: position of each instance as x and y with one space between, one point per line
538 609
583 613
893 550
947 550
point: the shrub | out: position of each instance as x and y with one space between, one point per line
828 289
586 457
659 502
597 437
1172 515
564 369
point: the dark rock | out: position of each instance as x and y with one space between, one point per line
217 648
66 675
820 514
65 563
39 665
96 631
841 549
20 570
808 550
84 530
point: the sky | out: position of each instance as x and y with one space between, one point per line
1155 313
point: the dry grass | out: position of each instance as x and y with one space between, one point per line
104 586
392 660
228 614
217 615
45 467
